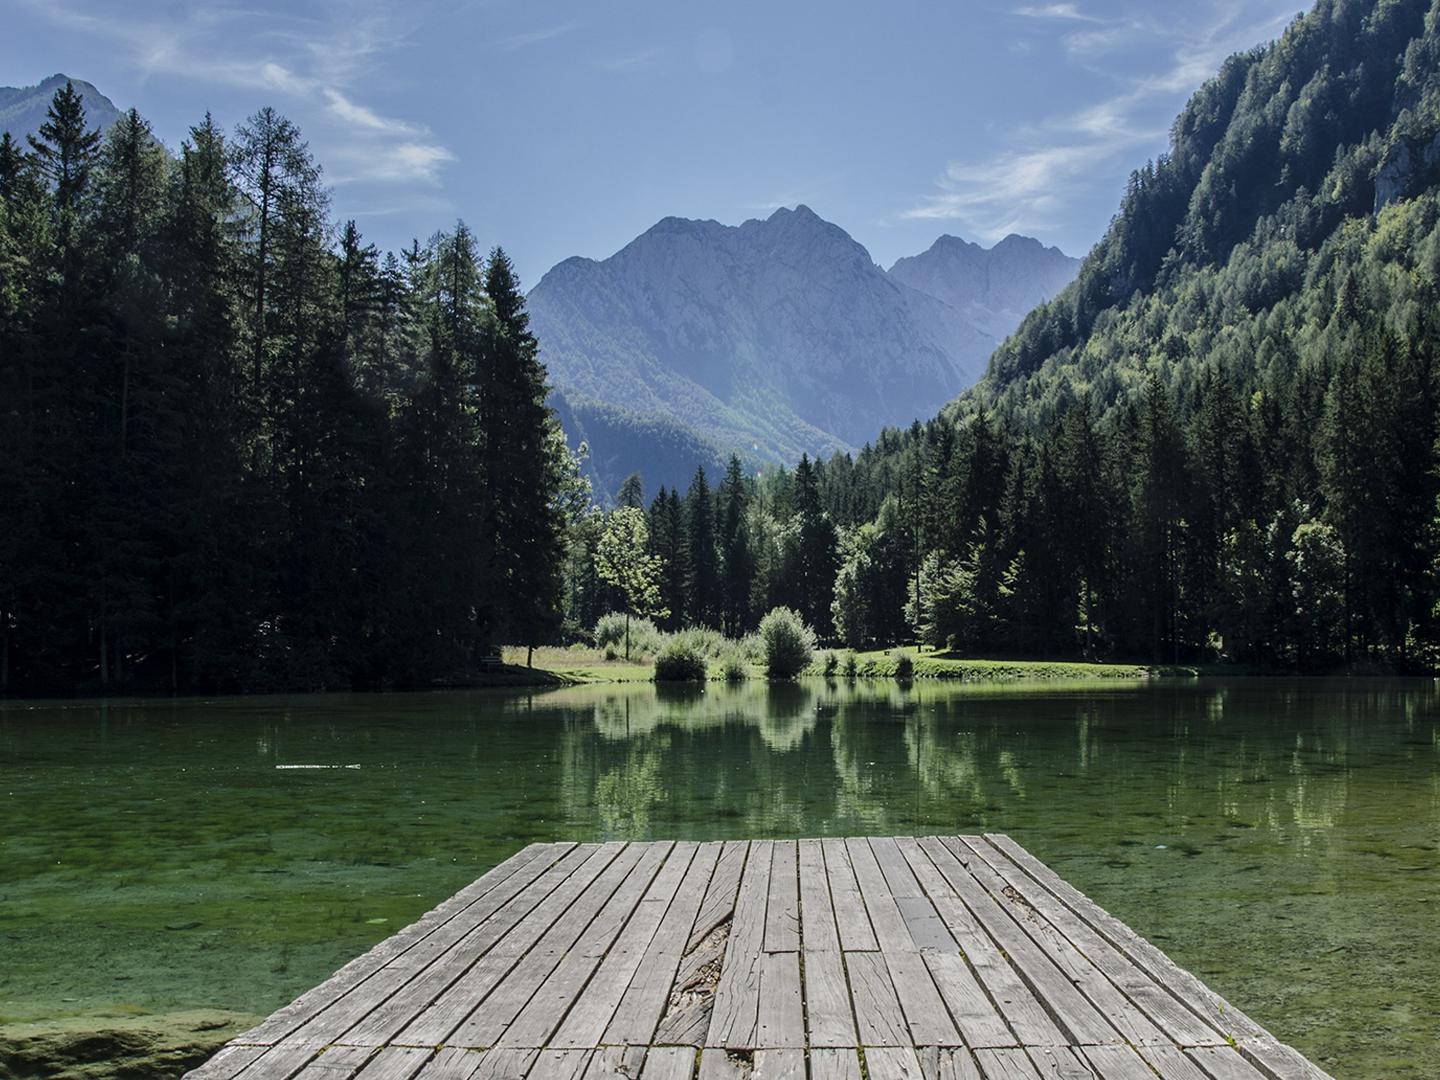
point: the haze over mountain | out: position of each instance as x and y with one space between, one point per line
993 288
22 108
770 339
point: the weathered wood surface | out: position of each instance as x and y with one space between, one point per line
937 958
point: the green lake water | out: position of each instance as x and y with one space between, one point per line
1280 838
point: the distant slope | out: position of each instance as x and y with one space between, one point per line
22 108
992 288
769 339
623 441
1298 199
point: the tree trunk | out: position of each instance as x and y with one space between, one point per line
530 656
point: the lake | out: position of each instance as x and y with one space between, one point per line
1281 838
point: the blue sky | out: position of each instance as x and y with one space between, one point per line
564 128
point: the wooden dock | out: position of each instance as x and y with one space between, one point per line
941 958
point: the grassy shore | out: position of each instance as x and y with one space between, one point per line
560 665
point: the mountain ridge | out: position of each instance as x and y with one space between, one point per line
776 337
23 108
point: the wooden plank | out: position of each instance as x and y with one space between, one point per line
507 1064
719 903
1200 998
830 1021
782 911
955 1065
982 965
644 1000
451 1063
626 878
1272 1056
1059 1063
395 1063
560 1064
922 920
613 1063
1224 1063
586 1021
1012 998
1005 1064
1116 1063
818 932
736 1012
669 1063
336 1063
425 1010
851 918
716 1063
228 1061
543 1013
280 1062
1170 1062
890 929
1107 998
980 1023
920 1001
834 1065
781 1022
892 1063
1074 1011
1179 1023
879 1020
779 1064
500 885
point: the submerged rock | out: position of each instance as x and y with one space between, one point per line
160 1046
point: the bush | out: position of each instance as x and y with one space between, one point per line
788 644
645 638
734 666
752 648
679 661
830 664
851 666
709 643
904 664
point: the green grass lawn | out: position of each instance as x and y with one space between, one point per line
561 665
882 663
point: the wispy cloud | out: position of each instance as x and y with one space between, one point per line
535 37
1055 11
1026 187
627 61
313 63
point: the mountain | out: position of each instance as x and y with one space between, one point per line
22 108
769 339
993 288
1298 195
1222 439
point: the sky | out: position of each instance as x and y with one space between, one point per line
559 128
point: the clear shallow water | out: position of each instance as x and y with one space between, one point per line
1280 838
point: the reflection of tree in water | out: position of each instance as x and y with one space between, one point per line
1184 764
626 793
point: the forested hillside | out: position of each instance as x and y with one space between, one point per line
240 448
1219 440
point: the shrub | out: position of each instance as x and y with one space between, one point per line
679 661
830 664
706 641
904 664
788 644
734 666
752 648
645 638
851 666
